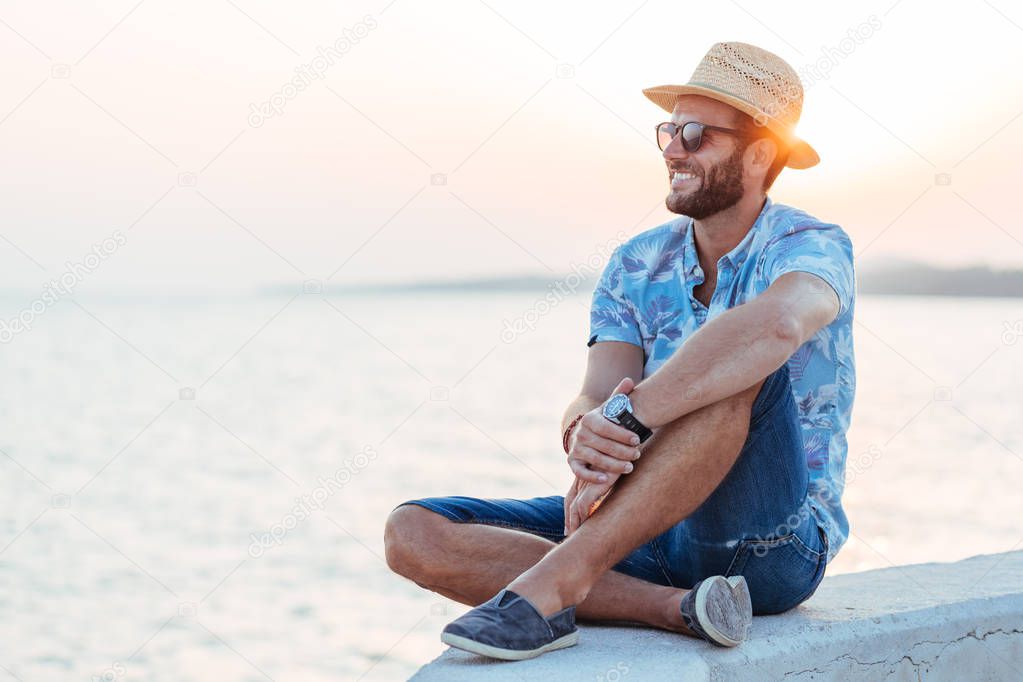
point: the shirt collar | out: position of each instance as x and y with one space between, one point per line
690 261
736 257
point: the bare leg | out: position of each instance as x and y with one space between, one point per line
470 563
682 465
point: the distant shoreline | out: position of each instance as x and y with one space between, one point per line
925 280
901 279
905 279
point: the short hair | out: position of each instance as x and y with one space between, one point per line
745 123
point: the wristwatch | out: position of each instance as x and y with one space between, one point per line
618 410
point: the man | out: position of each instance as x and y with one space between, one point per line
738 317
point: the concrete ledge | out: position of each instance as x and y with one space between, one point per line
957 621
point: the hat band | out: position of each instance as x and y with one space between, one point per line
725 92
785 129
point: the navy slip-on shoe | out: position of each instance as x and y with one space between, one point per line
510 628
719 610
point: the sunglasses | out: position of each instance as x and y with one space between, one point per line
691 133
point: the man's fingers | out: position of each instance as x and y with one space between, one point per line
579 507
602 462
579 500
624 386
582 466
580 469
611 448
569 496
578 511
607 429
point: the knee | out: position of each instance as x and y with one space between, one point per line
410 537
741 404
750 404
737 409
773 391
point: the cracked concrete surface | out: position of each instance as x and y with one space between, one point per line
957 621
907 667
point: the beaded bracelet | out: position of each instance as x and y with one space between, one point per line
568 432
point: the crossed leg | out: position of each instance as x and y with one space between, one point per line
682 464
470 563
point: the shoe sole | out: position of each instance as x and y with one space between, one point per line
571 639
724 609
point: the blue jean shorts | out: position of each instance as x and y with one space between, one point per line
757 523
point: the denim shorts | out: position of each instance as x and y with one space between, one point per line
757 523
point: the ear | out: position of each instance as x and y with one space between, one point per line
760 154
764 153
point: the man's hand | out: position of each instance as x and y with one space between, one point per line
580 501
600 449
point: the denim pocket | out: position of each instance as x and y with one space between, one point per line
781 572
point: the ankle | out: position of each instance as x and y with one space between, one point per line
672 613
573 593
550 593
571 583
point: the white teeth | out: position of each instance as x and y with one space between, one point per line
682 176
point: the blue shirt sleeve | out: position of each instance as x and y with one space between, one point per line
822 249
612 316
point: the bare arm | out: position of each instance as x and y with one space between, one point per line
727 355
736 349
610 365
607 364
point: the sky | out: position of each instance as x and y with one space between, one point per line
465 138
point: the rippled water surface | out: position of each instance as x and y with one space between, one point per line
152 448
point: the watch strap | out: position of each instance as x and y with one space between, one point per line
629 421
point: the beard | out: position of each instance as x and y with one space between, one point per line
720 189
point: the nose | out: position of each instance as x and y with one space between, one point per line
675 150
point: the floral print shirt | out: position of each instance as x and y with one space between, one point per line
645 297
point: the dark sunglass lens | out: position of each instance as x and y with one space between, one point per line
692 136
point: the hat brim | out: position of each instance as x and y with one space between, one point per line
801 154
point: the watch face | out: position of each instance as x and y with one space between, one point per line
614 407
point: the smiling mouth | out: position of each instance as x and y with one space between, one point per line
680 179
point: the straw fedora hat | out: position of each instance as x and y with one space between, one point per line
755 82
